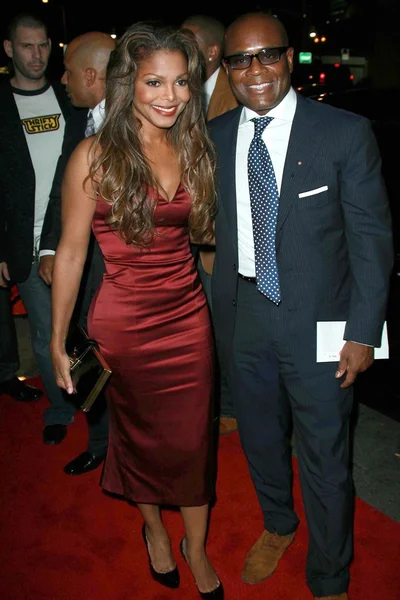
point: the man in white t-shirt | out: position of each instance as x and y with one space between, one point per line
34 112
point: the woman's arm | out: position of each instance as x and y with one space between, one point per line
77 209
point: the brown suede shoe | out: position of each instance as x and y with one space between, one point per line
264 556
343 596
227 425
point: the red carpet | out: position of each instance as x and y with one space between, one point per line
62 538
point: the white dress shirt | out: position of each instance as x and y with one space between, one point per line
98 114
209 87
276 137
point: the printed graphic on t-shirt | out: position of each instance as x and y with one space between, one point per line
40 113
41 124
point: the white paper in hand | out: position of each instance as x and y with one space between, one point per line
330 341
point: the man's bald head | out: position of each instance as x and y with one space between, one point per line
209 34
86 60
91 50
258 20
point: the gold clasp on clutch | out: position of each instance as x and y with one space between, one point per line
74 357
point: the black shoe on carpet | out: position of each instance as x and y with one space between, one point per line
54 434
19 390
83 463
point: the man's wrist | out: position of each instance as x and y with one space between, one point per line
361 344
46 253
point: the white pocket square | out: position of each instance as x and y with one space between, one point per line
313 192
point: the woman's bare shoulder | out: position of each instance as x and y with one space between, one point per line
83 155
84 149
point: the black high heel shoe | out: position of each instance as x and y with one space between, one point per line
216 594
170 579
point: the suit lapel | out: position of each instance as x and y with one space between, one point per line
226 171
303 146
15 147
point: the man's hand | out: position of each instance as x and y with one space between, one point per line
45 270
4 275
354 359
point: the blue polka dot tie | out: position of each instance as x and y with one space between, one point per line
264 201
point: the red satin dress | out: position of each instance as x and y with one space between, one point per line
152 324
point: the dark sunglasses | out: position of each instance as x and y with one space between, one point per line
266 56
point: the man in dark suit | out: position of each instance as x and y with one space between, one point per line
31 131
218 99
85 60
303 234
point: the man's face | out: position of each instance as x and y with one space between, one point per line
259 87
74 78
29 51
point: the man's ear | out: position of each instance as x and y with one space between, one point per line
7 45
213 51
90 76
290 58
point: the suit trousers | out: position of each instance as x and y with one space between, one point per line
36 296
273 399
9 359
223 398
97 417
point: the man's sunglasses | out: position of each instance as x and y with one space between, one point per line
266 56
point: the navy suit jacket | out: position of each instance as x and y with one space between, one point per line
334 248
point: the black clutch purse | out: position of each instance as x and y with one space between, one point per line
89 370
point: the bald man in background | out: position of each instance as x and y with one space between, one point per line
209 33
85 62
218 99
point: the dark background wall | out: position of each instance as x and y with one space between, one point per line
366 28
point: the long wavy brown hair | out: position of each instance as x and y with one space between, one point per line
119 168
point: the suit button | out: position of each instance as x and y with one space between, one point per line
234 268
233 302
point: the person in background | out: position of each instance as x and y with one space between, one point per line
10 384
303 235
144 184
85 62
33 111
218 99
209 34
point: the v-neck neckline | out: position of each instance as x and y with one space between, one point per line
173 197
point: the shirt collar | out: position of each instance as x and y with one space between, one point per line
209 86
211 81
98 113
284 111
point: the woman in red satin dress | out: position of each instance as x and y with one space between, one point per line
144 184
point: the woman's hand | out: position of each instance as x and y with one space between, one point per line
61 367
